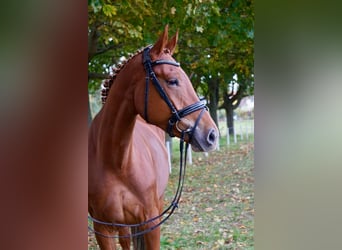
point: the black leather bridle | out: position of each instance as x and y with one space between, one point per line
177 115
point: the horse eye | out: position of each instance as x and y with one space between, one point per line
172 82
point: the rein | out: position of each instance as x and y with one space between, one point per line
176 116
170 210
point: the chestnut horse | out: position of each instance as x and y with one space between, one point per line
128 164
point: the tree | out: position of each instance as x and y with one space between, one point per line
220 46
232 97
113 29
215 42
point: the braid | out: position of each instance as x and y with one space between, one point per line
107 83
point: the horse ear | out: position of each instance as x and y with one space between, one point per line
171 45
159 46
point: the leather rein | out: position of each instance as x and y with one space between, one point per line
176 116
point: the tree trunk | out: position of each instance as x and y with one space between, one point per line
213 85
230 102
230 118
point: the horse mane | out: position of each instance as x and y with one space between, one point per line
107 83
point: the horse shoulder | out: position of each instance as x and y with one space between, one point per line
149 137
150 155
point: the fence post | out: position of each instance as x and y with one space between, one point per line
241 132
189 155
228 139
168 154
252 129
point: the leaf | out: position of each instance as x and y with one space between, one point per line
189 9
109 10
173 10
221 242
199 29
209 209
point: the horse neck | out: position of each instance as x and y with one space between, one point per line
118 119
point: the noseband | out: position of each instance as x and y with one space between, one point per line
177 115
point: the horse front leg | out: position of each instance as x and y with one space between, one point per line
105 243
125 242
138 241
152 238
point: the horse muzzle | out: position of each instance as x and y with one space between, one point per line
204 141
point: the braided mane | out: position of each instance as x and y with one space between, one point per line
107 83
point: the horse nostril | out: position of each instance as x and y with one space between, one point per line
211 139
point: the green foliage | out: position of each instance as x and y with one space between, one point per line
216 37
114 30
109 10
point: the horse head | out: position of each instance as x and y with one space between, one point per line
167 99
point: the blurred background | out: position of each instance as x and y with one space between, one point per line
46 81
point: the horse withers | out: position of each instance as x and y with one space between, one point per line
128 172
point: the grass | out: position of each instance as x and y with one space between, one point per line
217 206
216 210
